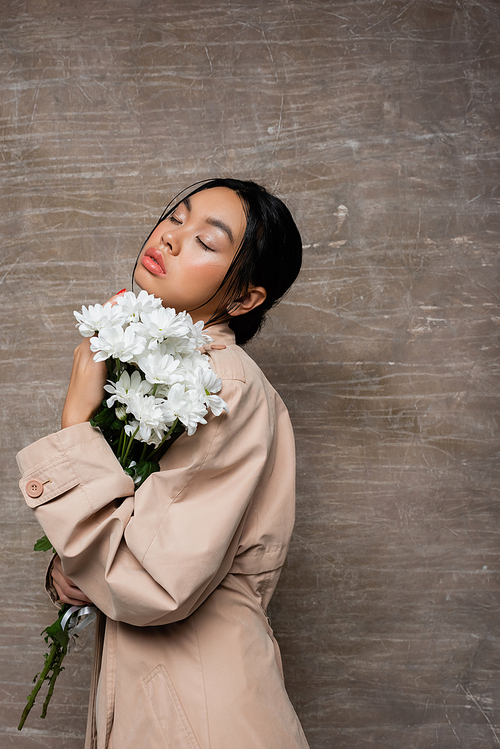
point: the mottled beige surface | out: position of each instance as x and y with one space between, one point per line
379 123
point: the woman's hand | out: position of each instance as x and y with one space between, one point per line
66 589
86 386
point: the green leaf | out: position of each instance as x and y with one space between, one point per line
43 544
104 417
145 468
55 632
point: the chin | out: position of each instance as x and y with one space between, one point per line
142 281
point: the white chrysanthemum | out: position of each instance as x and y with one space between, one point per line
163 323
160 368
133 306
203 379
176 346
97 317
205 383
155 440
196 330
195 360
132 430
126 387
169 415
148 413
118 343
168 346
187 407
216 404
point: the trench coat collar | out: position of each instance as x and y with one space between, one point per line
221 335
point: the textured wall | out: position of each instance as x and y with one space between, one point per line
378 122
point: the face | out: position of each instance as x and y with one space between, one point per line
188 254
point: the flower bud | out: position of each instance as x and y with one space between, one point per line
121 413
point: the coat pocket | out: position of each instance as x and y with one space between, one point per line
166 705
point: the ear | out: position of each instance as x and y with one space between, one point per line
253 298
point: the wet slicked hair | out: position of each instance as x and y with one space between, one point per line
270 253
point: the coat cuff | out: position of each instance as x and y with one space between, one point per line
48 465
49 584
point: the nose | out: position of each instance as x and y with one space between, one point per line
171 242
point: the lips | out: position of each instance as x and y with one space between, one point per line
154 262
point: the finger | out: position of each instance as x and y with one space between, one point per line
77 594
73 601
65 587
62 585
71 595
66 592
115 296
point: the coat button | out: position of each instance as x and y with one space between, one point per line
34 488
218 346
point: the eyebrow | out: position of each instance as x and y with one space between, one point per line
213 221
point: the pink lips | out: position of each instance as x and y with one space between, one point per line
153 261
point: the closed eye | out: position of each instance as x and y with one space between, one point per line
205 246
176 220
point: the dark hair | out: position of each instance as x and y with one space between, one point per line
270 253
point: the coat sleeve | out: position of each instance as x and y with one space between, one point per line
152 557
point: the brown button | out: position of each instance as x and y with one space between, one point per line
34 488
217 346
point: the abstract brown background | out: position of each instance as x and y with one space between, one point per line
378 122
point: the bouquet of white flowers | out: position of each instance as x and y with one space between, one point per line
159 382
159 385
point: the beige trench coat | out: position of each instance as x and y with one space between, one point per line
183 570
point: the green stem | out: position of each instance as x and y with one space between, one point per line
165 438
121 445
130 442
55 673
31 699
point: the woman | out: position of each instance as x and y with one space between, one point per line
183 569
